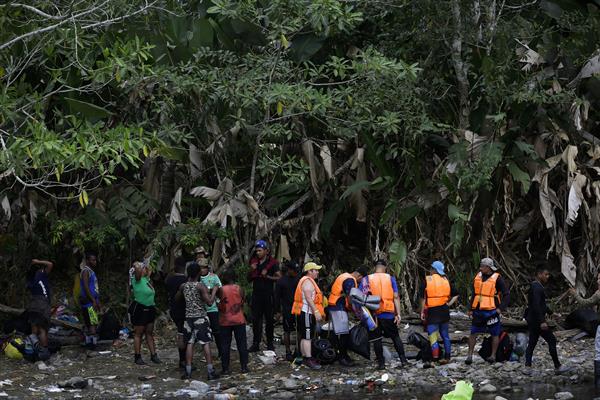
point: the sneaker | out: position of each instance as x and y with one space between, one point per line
346 362
271 347
139 361
444 361
563 369
254 348
312 363
491 359
469 360
427 365
212 375
245 370
225 372
154 358
289 357
380 365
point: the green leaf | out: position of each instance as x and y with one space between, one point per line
356 186
388 211
457 233
408 213
329 218
86 109
520 176
454 213
303 47
398 252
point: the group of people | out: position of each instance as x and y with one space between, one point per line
206 309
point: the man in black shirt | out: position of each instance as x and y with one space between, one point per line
177 307
264 271
536 319
284 297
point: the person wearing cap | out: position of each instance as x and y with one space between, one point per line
387 317
200 254
535 315
437 295
490 298
339 305
264 272
308 309
284 298
211 281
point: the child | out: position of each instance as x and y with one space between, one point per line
231 320
89 299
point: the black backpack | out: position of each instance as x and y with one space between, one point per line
505 348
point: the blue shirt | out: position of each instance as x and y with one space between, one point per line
40 285
93 285
364 287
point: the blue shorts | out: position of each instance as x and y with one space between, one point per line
486 322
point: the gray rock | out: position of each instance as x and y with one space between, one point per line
563 396
500 398
76 382
488 388
290 384
283 395
199 386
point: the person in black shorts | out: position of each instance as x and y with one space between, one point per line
177 307
284 297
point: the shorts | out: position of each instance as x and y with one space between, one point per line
197 330
140 314
486 322
288 321
178 320
90 318
306 324
39 312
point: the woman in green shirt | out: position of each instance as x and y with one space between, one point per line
142 311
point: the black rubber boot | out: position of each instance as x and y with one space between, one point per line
597 374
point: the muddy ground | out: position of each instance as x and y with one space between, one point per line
111 374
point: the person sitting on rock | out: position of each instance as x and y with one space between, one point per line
308 309
490 298
387 317
594 300
339 305
437 296
197 325
535 315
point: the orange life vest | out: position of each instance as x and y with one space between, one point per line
485 292
337 289
380 284
297 306
437 290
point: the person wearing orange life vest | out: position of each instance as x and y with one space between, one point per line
490 298
308 309
339 304
387 317
437 295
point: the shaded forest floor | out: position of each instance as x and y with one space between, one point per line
111 373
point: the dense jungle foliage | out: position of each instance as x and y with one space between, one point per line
342 130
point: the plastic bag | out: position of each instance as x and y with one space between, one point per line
359 341
462 391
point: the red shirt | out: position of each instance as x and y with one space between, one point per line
231 307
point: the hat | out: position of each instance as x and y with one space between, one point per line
200 249
489 262
310 266
439 267
261 244
203 262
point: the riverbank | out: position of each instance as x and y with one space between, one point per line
110 373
